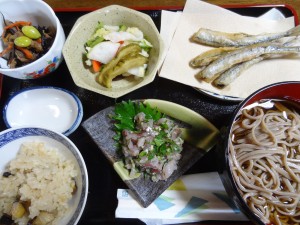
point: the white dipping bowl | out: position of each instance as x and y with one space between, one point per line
38 13
47 107
10 142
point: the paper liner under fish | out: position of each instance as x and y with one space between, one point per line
199 139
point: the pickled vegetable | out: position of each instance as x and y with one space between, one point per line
109 44
130 61
125 50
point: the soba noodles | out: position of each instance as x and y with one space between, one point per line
265 160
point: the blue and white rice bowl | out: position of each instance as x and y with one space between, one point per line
10 142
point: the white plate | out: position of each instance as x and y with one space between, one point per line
222 97
48 107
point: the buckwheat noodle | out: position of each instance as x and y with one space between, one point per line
265 159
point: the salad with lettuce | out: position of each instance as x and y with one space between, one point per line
117 50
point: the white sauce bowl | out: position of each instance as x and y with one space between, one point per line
47 107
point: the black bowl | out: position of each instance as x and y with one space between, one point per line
284 90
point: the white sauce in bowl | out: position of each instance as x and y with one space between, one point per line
47 107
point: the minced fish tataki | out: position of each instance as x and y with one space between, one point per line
40 176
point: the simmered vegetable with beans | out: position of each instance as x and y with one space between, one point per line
24 43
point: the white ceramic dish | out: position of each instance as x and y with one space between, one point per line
221 97
38 13
83 29
47 107
10 141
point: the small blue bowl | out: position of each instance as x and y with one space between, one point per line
47 107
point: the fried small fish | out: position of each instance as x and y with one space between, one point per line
223 39
208 56
234 72
240 55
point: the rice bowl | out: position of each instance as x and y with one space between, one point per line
44 172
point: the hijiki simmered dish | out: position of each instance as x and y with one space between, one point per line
233 53
264 155
24 43
149 142
36 186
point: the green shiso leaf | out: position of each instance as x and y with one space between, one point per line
125 112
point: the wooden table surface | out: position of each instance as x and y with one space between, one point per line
162 4
86 5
